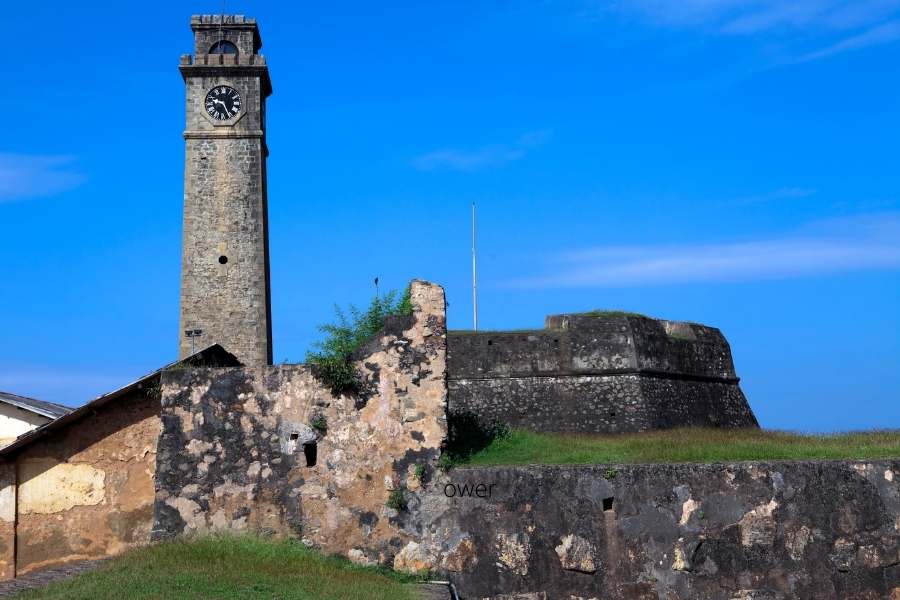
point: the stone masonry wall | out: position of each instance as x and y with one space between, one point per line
224 216
240 450
609 404
597 373
748 531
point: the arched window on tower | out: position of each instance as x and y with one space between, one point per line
223 47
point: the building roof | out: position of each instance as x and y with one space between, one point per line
212 356
40 407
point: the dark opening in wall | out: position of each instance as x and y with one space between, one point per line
223 260
295 436
607 504
490 342
309 451
612 414
223 47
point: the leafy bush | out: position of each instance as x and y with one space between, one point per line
320 424
333 356
397 500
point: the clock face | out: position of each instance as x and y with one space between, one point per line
223 103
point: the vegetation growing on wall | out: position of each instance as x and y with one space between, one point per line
333 356
396 500
611 313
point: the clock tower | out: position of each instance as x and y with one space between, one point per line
225 245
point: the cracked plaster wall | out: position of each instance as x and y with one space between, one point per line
85 491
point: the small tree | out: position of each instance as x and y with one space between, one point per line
332 356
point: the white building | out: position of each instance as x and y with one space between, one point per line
19 414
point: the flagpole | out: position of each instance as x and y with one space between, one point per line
474 276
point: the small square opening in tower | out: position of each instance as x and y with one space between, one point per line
607 504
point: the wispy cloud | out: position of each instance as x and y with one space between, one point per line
882 34
844 245
491 156
864 22
753 16
781 194
33 176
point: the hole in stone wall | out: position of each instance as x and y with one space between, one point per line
294 436
607 504
490 342
223 260
309 451
612 414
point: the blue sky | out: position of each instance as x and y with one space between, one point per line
732 162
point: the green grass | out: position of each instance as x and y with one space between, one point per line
684 445
610 313
229 567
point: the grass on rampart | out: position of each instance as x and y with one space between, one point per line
693 445
229 567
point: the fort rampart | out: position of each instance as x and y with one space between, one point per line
597 372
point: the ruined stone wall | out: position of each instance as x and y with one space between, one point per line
86 491
606 373
238 445
812 530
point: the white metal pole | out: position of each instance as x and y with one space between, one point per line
474 276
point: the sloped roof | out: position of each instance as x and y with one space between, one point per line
212 356
40 407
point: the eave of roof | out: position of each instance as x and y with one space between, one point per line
38 407
212 356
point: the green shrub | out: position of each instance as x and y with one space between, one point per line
397 500
446 462
332 358
419 472
320 424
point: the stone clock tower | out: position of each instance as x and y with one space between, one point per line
225 254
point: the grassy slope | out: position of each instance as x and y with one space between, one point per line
229 567
684 445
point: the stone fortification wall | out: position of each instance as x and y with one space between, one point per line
597 373
271 449
773 531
